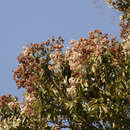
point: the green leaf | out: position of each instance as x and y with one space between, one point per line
104 108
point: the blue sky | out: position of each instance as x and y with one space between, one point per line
25 21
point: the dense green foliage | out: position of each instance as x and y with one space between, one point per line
85 87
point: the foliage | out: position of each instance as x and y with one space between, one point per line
85 87
121 5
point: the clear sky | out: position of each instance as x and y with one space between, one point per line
25 21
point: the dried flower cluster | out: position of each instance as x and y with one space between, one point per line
125 31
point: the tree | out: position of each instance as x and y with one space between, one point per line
86 87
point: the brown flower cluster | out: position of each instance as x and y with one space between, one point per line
34 62
3 100
81 51
26 73
125 30
27 106
9 101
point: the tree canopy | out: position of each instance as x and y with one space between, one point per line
87 86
